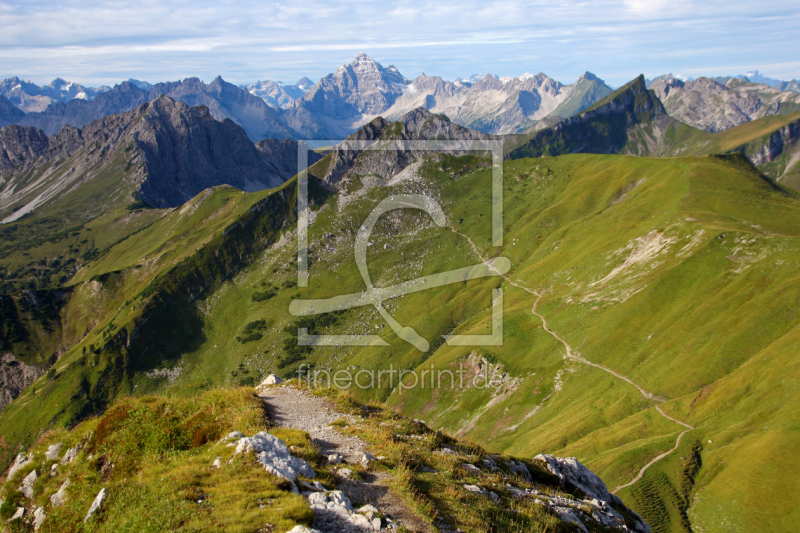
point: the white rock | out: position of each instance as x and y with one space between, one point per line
17 514
302 529
340 499
368 509
272 452
71 454
54 470
96 504
571 472
27 484
519 468
516 493
61 496
345 472
38 518
232 436
272 379
475 489
317 498
21 461
571 517
334 458
365 459
53 451
472 469
217 462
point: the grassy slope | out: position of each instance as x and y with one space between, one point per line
44 248
694 300
562 214
122 322
152 456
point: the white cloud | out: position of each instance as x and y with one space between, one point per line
110 40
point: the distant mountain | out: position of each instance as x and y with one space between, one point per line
141 84
9 113
29 97
223 100
755 76
169 151
276 93
631 120
791 85
710 106
79 112
362 90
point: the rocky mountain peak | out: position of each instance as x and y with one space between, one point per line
305 84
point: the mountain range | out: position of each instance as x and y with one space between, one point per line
358 92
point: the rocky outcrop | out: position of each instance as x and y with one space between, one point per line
96 505
597 504
20 144
333 511
271 452
774 146
15 377
419 124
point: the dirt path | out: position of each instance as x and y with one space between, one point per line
571 356
293 408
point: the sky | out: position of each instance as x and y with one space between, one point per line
107 41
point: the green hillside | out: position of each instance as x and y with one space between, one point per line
678 274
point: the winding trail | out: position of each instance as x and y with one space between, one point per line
571 356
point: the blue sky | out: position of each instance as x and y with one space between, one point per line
104 41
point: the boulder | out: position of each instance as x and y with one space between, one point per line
71 454
272 452
476 489
53 451
96 504
38 518
334 459
61 495
365 459
272 379
571 473
21 461
519 468
27 484
302 529
17 514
